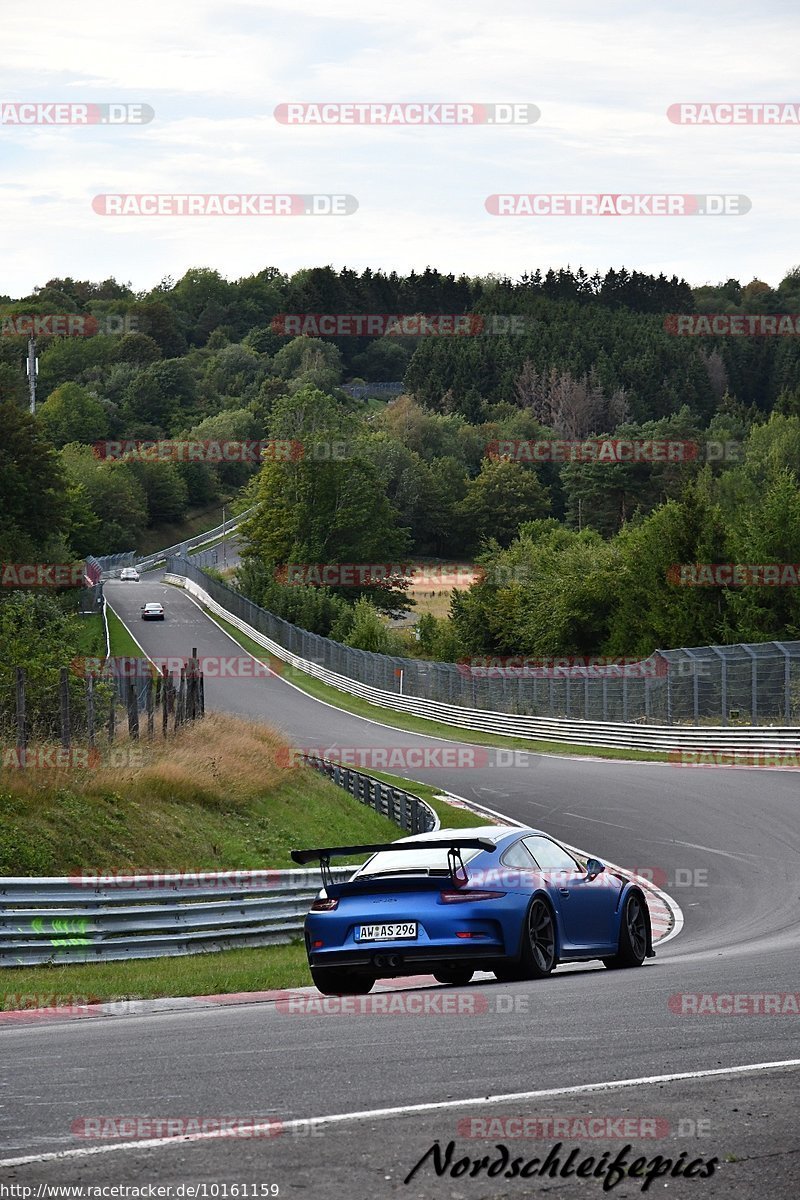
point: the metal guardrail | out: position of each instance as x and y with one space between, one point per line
112 564
104 918
200 539
621 735
404 809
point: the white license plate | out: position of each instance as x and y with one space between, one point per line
386 933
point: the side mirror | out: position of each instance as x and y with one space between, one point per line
594 867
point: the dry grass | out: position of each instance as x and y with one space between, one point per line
433 587
214 796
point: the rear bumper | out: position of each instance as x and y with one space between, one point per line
404 960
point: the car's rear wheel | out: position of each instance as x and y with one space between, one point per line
456 976
538 956
633 935
331 982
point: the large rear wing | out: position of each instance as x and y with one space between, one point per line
453 846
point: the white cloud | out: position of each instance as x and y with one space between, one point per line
603 78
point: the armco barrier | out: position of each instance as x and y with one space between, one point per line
103 918
619 735
112 564
405 810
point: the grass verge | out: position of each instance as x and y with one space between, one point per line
147 979
122 643
90 636
386 716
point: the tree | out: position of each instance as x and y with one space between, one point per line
114 494
504 495
162 394
137 348
164 489
73 414
652 609
768 532
32 486
550 593
368 631
325 503
307 356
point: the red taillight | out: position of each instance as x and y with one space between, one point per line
326 905
463 897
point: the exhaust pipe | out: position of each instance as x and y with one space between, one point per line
392 961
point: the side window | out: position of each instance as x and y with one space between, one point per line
518 857
549 856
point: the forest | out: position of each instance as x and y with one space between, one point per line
577 556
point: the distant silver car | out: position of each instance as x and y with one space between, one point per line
152 612
129 573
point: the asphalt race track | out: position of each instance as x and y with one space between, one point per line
724 843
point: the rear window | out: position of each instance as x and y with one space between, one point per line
393 862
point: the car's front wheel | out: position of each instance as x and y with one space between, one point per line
633 935
455 976
331 982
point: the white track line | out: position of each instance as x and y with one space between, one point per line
377 1114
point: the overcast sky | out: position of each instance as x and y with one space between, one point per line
603 77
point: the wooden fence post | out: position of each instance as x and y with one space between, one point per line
63 687
180 707
22 733
166 695
133 712
90 710
151 716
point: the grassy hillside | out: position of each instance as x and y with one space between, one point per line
211 798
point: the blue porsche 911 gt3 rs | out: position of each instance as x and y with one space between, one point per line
496 898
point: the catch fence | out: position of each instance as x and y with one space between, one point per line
736 686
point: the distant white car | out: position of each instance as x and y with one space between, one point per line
129 573
152 612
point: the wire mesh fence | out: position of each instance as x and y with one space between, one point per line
755 684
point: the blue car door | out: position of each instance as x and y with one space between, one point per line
587 906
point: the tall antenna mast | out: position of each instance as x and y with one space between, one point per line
33 371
